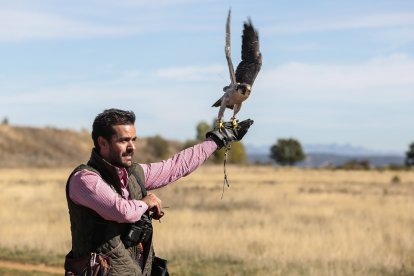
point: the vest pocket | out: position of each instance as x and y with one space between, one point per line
122 263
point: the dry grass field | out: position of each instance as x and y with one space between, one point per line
271 221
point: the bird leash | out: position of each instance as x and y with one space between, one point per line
226 181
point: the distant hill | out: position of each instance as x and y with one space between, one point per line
323 160
51 147
344 150
326 159
331 154
42 147
335 149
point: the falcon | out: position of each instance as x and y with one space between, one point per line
241 82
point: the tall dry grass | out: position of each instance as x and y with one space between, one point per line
33 211
270 220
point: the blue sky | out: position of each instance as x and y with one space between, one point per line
333 71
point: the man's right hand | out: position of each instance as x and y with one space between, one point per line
153 202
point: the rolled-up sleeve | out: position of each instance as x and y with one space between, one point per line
181 164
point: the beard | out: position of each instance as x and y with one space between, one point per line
124 159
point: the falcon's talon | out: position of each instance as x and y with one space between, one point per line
234 123
220 124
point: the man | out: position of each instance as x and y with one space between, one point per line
109 206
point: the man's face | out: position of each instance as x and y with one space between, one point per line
119 151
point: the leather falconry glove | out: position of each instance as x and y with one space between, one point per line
228 133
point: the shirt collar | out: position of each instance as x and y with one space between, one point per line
123 176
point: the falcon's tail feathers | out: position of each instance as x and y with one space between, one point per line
218 104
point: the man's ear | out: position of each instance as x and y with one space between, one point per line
103 143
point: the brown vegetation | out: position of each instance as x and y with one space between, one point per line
52 147
271 221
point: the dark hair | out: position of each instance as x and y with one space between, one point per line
102 125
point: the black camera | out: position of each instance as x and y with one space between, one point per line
139 232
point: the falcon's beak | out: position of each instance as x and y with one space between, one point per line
244 89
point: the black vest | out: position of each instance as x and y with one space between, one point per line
92 233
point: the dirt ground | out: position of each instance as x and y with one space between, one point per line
30 267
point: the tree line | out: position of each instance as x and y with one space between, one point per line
285 152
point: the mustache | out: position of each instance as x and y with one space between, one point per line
128 152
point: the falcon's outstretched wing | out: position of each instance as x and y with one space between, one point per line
227 50
251 63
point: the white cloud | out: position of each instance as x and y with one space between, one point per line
130 74
158 3
291 98
395 38
192 73
379 79
384 20
383 73
375 21
24 25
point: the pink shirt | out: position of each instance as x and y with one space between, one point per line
89 189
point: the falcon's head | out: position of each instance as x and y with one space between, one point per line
243 88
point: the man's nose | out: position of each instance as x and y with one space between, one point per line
131 144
